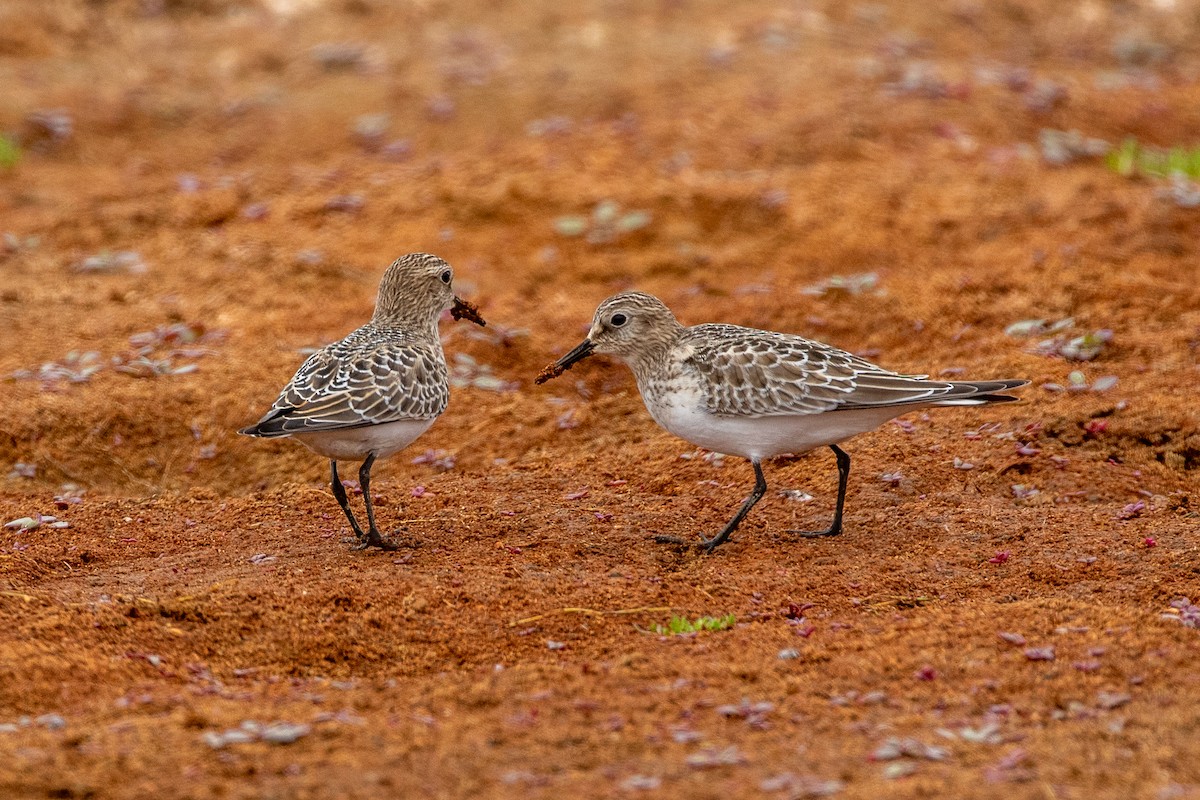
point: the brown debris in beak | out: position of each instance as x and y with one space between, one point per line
566 362
468 311
550 371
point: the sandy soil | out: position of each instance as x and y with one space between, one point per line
206 188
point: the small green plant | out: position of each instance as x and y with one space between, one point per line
10 152
607 223
1133 159
858 283
681 625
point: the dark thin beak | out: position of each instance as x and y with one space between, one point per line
581 352
464 310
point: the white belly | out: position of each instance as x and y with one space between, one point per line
765 437
354 444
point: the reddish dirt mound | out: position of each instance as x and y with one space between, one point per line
205 189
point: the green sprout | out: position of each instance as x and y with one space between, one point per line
859 283
606 223
681 625
1133 159
10 152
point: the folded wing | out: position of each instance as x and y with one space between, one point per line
349 386
761 373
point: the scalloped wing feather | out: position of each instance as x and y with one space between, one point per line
748 372
360 381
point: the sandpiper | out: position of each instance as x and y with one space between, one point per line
758 394
372 393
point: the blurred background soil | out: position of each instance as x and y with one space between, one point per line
195 192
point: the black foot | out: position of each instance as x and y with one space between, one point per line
843 462
707 545
835 531
373 539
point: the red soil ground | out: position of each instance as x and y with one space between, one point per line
507 649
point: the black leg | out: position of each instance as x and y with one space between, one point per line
364 481
843 462
760 488
339 492
373 539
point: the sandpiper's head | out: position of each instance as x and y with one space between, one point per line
629 326
417 288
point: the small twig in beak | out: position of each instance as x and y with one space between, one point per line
550 371
468 311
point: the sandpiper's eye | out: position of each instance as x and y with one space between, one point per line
446 277
618 320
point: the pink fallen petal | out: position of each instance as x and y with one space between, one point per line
1132 510
926 673
1040 653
